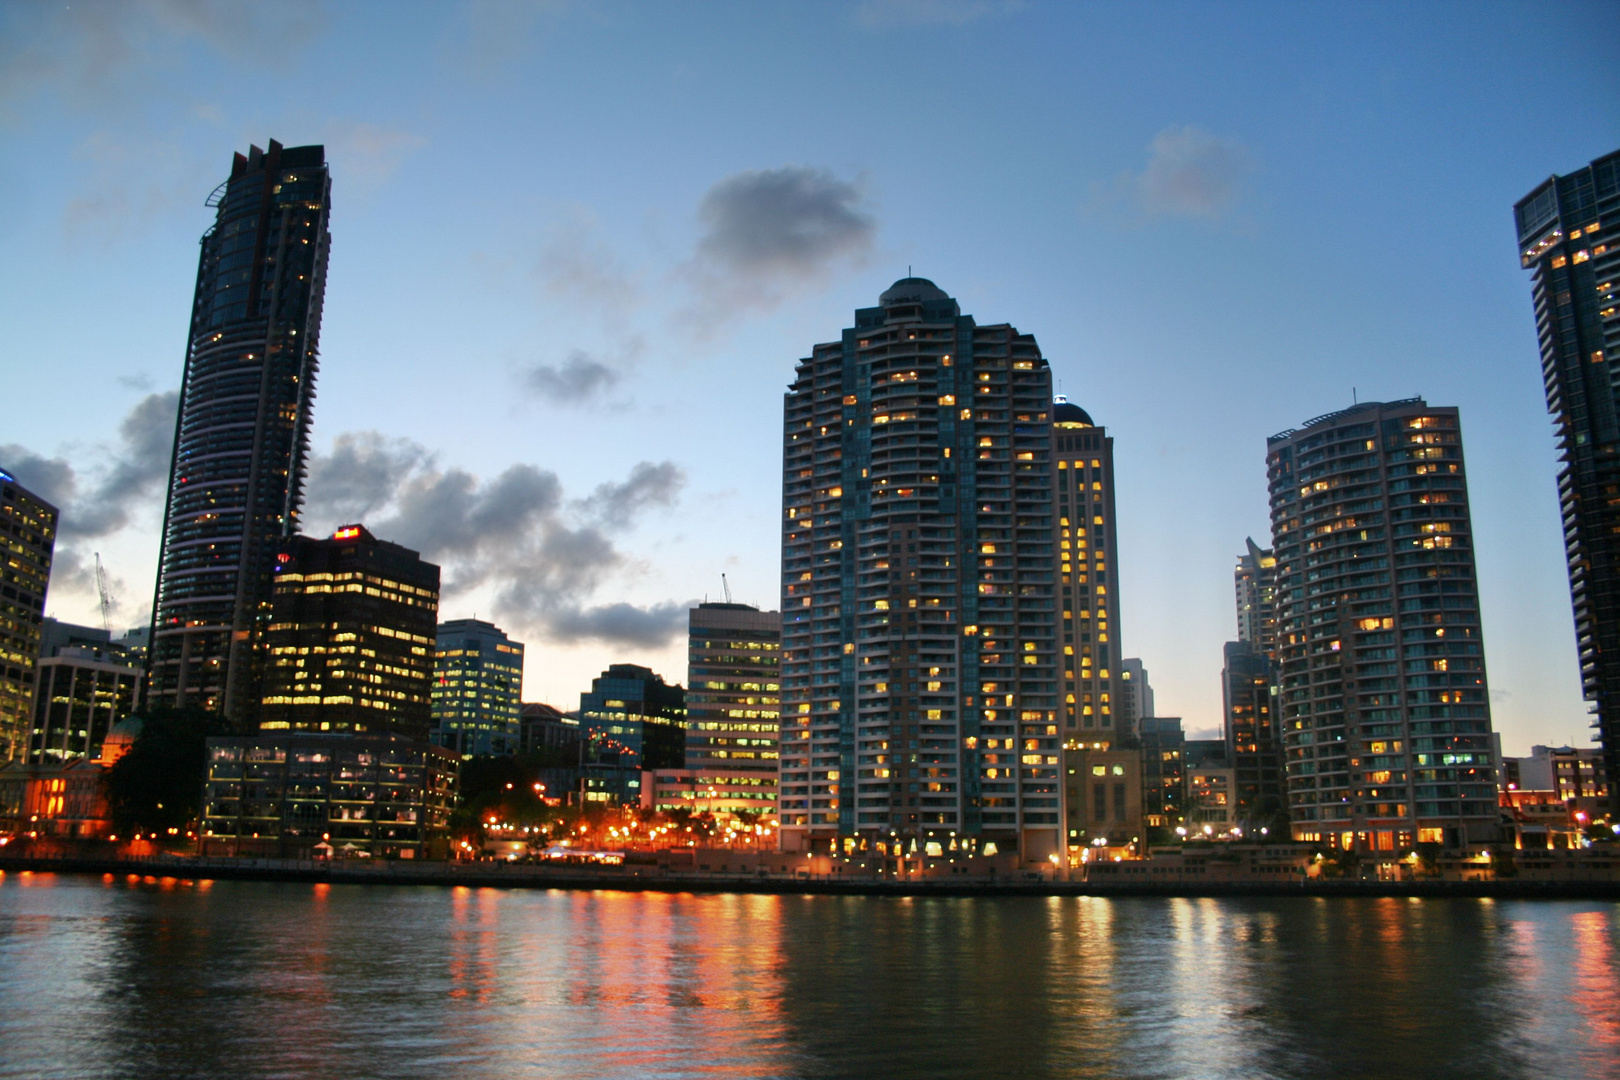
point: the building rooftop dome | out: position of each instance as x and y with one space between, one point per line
1065 411
911 290
120 737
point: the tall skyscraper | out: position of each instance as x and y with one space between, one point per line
1385 712
1569 239
477 689
920 691
236 481
1089 584
349 643
28 538
1255 581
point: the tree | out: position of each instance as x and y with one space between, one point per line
158 784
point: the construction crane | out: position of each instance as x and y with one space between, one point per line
105 593
725 586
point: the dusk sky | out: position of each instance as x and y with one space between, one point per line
578 248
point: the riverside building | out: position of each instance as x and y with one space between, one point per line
349 644
733 687
920 651
477 689
1569 239
237 475
86 684
634 722
1385 712
28 538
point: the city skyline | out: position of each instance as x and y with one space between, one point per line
734 313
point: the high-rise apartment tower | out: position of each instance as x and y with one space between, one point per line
1385 712
1255 581
1569 239
236 480
920 692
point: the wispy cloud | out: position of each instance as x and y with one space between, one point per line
770 234
367 155
544 556
1190 173
887 13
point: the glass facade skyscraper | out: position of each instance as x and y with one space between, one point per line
1569 240
28 540
477 689
1385 712
237 475
920 692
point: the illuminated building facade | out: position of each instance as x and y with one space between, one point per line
1104 800
634 722
920 691
1255 583
84 687
1088 579
734 696
1253 737
349 645
1569 240
237 474
477 689
1385 712
28 538
1164 771
286 794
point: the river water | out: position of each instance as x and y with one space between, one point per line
121 978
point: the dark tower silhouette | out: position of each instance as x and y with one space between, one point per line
237 475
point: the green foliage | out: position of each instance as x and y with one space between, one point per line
158 784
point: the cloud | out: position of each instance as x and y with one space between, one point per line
367 156
769 234
92 51
575 265
648 485
542 555
885 13
131 181
127 480
1189 173
575 382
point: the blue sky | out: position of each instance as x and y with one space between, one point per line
578 248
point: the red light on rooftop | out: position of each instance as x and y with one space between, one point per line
348 532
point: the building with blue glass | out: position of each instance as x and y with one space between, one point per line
633 721
477 689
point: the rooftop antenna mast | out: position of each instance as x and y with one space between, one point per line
726 586
105 594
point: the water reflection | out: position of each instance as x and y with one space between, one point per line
170 978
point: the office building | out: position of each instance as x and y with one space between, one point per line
1164 772
28 535
1088 581
1253 743
349 642
1255 582
546 730
1385 708
1104 801
477 689
237 476
1135 695
300 794
1568 772
634 722
726 794
85 684
920 689
733 703
1569 240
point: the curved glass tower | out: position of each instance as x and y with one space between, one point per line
237 475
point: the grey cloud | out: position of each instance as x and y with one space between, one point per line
621 624
363 472
1189 173
89 50
542 555
885 13
648 485
770 233
130 478
575 264
146 438
580 379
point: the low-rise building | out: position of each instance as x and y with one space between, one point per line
58 799
747 795
287 794
1102 799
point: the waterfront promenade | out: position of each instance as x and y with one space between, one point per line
825 880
